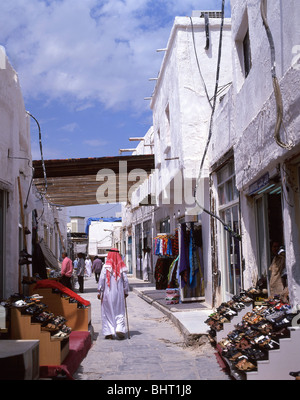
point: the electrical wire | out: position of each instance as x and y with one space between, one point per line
277 92
198 64
226 226
41 150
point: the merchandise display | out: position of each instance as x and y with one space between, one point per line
255 335
34 307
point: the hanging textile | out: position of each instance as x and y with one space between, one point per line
184 258
172 280
193 259
161 272
190 269
166 245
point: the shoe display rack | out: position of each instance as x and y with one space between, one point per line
52 350
77 315
258 341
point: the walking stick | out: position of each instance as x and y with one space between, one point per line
128 333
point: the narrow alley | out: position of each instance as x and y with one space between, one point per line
155 351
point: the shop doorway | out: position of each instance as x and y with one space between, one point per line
269 224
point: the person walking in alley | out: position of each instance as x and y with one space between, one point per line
88 266
113 287
66 271
80 271
97 267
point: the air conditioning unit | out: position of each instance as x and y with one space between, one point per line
210 13
19 359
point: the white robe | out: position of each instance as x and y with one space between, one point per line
88 267
113 303
145 267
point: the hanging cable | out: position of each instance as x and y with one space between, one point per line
41 150
206 18
277 92
198 64
226 226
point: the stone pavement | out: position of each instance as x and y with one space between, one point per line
157 348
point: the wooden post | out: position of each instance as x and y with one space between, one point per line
61 240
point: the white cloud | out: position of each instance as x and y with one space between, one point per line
70 127
95 142
89 51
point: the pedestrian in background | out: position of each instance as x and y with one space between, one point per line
97 267
80 271
113 287
66 271
88 266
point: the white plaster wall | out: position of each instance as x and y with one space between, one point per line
101 235
180 85
245 120
15 144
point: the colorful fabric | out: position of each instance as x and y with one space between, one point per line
161 272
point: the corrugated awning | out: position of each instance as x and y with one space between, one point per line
85 181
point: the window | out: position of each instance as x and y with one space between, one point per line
247 54
242 51
230 246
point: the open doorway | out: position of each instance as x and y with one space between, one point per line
269 223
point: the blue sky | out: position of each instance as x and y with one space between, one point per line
84 68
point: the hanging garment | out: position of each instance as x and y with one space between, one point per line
161 272
38 261
193 259
184 257
172 280
277 267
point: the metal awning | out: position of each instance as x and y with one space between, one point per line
85 181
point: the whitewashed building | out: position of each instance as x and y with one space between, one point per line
249 183
20 204
181 105
250 155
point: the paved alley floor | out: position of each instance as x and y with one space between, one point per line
155 351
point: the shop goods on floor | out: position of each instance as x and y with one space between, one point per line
46 319
39 313
258 332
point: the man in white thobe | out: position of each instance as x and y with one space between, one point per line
113 287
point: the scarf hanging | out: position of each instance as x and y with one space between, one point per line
114 266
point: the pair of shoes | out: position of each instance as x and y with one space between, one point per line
108 336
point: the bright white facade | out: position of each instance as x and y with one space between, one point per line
249 183
15 168
266 174
101 237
